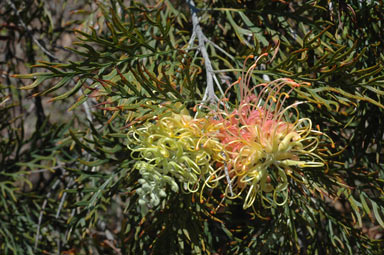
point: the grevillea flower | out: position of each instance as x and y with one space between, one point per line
252 148
173 149
264 141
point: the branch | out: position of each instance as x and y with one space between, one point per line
41 213
209 95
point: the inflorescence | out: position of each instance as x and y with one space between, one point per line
252 149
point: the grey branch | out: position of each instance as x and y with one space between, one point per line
209 95
37 236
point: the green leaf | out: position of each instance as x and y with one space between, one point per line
239 31
69 93
79 102
364 204
377 214
36 83
94 163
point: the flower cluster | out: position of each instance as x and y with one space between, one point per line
253 148
264 143
175 147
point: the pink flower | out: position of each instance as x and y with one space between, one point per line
263 138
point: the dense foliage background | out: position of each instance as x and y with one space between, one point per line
77 75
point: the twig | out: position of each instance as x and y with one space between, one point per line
41 213
218 84
219 48
209 95
29 32
70 183
227 174
191 41
86 107
88 113
46 169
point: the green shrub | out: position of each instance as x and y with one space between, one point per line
142 139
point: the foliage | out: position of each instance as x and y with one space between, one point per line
163 148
